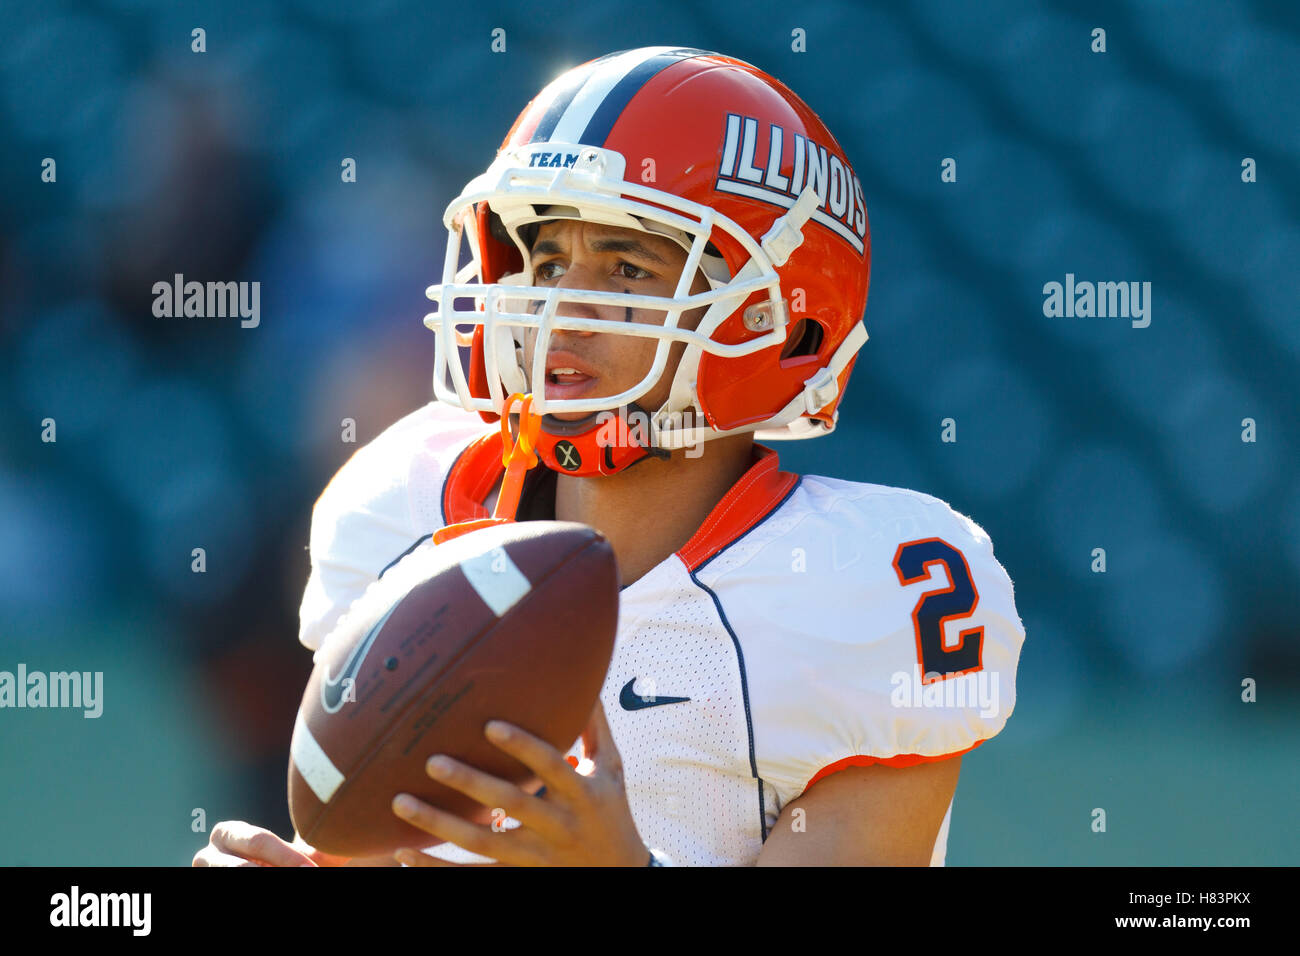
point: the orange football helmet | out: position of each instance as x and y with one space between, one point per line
715 154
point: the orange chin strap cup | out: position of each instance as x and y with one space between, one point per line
516 461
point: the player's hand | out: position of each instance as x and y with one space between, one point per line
236 843
580 821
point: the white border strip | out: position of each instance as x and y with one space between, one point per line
781 199
497 579
313 763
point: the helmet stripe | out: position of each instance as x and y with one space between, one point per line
603 119
564 94
589 113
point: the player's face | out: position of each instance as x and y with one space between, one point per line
572 254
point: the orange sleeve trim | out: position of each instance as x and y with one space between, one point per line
750 500
901 760
472 476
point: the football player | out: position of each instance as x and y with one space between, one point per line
671 253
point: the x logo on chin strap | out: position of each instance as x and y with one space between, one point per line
567 455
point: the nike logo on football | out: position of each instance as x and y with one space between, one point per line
633 701
331 688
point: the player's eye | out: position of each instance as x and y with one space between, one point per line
544 271
636 272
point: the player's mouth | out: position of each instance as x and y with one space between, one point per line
567 378
562 384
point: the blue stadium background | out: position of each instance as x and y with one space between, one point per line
1072 433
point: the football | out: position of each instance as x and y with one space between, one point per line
514 622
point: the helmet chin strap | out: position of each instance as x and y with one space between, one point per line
582 448
588 447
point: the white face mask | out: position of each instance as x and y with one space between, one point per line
592 188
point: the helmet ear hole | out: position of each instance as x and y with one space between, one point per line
497 229
804 339
498 254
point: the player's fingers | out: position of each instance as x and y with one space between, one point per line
211 856
327 859
255 843
545 818
598 744
517 846
590 736
556 773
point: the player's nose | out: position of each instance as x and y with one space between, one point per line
579 277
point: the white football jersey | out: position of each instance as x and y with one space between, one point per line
810 624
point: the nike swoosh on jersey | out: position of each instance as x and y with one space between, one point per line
632 701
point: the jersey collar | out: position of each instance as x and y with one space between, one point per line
754 496
757 493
